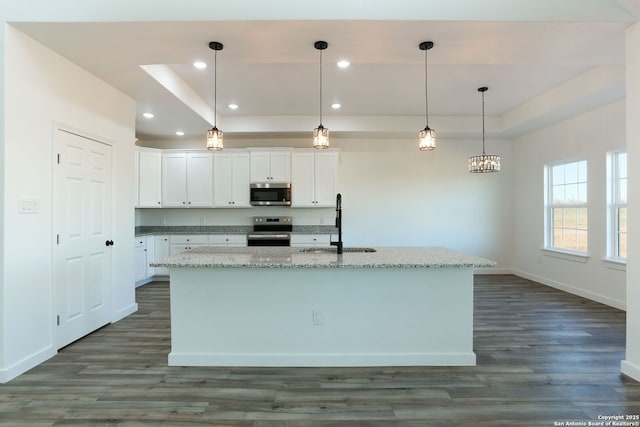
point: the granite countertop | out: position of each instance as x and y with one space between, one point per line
224 229
288 257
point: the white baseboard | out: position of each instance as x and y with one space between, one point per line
621 305
630 369
29 362
124 312
492 270
321 359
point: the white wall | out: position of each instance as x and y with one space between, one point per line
631 364
43 90
588 136
395 195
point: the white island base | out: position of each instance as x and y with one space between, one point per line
303 317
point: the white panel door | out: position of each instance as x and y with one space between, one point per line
82 262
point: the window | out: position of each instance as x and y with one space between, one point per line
566 213
617 205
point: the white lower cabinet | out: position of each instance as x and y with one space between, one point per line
140 255
144 252
160 250
183 242
150 248
310 240
229 240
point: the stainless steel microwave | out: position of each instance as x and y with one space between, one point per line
270 194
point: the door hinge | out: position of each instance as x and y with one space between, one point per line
58 158
58 320
57 239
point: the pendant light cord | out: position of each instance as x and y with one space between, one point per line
215 86
320 87
426 89
483 123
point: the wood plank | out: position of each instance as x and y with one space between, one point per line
543 356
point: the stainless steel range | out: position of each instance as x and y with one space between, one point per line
270 231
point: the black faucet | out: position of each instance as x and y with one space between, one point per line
338 244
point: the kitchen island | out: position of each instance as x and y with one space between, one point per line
266 306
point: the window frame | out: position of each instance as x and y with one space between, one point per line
550 205
614 205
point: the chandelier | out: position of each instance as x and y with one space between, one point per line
484 163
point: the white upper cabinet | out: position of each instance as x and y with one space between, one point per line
270 165
149 174
187 179
231 179
314 178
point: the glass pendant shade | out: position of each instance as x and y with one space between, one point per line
427 139
321 137
214 139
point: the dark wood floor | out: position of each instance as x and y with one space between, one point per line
544 356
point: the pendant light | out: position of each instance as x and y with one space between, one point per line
486 162
321 133
427 136
214 135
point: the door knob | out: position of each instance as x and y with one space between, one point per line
109 243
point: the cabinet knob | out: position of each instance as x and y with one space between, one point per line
158 202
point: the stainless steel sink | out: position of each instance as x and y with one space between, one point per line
333 250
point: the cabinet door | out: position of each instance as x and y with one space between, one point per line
174 180
302 191
199 180
149 179
223 169
260 167
140 254
240 180
325 173
280 166
161 250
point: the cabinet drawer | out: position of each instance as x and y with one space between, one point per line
189 238
310 239
228 239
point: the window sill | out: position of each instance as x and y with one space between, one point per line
566 255
615 263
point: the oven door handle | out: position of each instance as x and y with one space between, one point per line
268 236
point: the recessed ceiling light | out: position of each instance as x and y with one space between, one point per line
180 133
343 63
335 105
148 115
200 65
233 106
